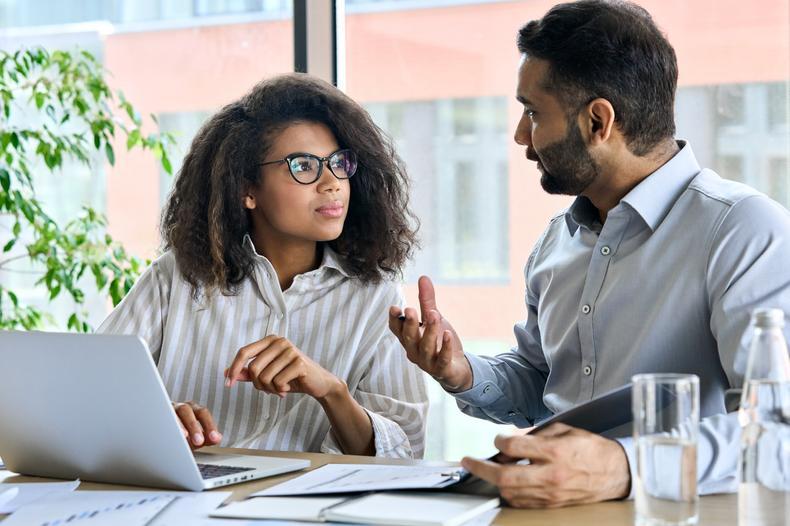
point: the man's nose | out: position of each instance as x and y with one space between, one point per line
523 134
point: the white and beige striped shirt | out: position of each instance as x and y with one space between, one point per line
335 319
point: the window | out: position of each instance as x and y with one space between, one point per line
740 130
779 180
730 167
730 102
777 106
455 151
178 60
184 125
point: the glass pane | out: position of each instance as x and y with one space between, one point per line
179 61
440 77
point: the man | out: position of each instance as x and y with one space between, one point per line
655 267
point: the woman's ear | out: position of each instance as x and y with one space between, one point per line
599 120
249 201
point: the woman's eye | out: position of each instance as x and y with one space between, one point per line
300 166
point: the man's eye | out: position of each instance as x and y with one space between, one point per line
529 113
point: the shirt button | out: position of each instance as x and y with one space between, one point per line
605 250
279 316
511 413
587 370
486 389
586 309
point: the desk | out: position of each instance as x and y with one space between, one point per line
719 510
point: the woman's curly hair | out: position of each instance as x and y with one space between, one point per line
204 221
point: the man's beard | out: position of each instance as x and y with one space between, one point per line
568 167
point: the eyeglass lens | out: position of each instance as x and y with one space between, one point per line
306 168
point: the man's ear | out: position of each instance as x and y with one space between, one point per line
599 121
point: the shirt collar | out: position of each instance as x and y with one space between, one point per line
651 199
654 197
582 212
330 259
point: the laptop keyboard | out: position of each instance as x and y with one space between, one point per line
210 471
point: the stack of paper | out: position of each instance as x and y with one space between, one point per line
402 509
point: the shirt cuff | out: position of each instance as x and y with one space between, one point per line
627 444
484 390
389 439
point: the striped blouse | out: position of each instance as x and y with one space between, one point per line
335 319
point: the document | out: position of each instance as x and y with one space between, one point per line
130 508
402 509
29 492
351 478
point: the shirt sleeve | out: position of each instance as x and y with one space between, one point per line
143 310
392 391
746 270
509 388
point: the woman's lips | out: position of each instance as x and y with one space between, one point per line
331 210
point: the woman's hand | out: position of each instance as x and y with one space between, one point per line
274 365
197 424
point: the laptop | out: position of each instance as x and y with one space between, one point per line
93 407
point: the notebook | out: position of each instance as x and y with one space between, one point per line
402 509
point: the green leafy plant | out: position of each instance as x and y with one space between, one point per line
59 113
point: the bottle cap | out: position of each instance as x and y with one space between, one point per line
768 318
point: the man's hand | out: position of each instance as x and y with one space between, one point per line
274 365
567 466
436 348
197 424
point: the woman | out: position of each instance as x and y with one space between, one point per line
267 314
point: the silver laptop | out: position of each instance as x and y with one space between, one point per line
93 407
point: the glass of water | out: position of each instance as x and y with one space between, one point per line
666 425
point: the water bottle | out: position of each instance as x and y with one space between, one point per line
764 415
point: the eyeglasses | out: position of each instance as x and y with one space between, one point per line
306 168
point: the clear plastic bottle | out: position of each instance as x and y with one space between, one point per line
764 415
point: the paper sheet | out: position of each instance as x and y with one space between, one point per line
130 508
348 478
30 492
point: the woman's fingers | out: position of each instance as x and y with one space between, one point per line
211 434
267 365
244 355
295 369
190 422
197 424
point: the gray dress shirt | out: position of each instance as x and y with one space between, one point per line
666 284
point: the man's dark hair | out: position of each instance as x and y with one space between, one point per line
612 50
204 221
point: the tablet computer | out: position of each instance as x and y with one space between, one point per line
607 414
